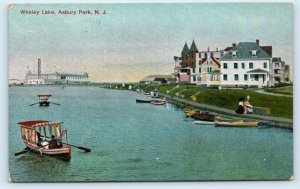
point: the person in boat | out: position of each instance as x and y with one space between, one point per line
241 108
40 140
248 108
53 142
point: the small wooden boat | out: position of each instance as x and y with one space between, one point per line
204 122
31 134
44 99
187 110
230 120
155 102
205 116
143 101
237 124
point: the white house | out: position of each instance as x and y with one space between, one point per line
246 65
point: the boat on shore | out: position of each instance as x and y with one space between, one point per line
237 124
158 102
143 101
205 116
52 145
203 122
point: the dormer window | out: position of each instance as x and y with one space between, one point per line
254 53
234 54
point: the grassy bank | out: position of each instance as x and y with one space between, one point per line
279 106
283 90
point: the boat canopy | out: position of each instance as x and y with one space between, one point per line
38 123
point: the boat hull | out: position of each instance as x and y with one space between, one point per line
204 122
44 103
143 101
205 117
61 153
158 103
237 124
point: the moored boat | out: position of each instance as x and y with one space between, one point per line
230 120
158 102
143 101
237 124
204 122
205 116
31 134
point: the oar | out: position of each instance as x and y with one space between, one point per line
79 147
25 150
55 103
34 104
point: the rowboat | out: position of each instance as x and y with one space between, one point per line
237 124
204 122
230 120
205 116
155 102
187 110
44 99
31 134
143 101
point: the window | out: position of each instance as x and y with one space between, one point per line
235 65
277 65
243 65
193 70
233 54
254 53
236 77
210 69
265 65
199 70
225 77
194 78
251 65
225 65
245 77
207 70
256 77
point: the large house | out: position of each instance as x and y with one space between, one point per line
197 68
246 64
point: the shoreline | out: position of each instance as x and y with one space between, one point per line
184 103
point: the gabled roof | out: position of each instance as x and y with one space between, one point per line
193 47
258 71
185 49
244 51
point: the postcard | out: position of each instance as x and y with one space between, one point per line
150 92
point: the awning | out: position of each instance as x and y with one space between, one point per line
258 71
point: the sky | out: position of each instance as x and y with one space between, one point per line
132 41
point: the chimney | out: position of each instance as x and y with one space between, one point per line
39 68
233 44
257 42
207 49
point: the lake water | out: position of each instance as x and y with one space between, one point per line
141 142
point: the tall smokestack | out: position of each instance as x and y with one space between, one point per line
39 68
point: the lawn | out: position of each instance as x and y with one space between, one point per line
280 106
283 90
